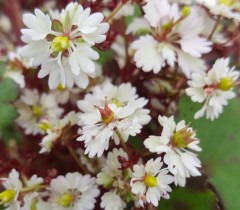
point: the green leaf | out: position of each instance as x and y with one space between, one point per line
8 90
220 141
137 12
188 199
3 68
104 56
7 114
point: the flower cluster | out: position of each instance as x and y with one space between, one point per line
62 44
100 132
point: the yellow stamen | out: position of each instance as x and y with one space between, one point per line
59 44
37 110
185 11
226 83
150 181
7 196
44 126
65 200
227 3
182 138
116 102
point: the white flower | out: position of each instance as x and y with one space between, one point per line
13 185
226 8
15 66
118 47
177 141
28 200
33 107
174 36
54 130
62 44
150 182
213 88
34 180
112 201
112 171
116 179
108 112
73 192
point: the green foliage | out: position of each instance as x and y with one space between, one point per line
220 141
8 90
8 113
188 199
2 68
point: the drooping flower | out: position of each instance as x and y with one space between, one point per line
110 112
150 182
62 44
178 142
116 181
213 88
73 192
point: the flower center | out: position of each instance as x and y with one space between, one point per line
182 138
107 114
226 83
227 3
150 181
44 126
7 196
65 200
116 102
59 44
37 110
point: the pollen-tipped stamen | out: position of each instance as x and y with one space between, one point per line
59 44
7 196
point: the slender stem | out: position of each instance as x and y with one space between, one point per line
233 39
115 11
35 187
122 141
214 27
72 152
